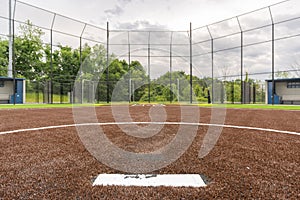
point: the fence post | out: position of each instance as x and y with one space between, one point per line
10 60
178 90
61 92
51 60
242 61
273 55
107 63
222 92
129 61
36 92
191 65
171 92
149 79
212 66
232 92
13 54
254 93
133 89
262 94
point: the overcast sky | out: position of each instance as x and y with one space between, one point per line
176 15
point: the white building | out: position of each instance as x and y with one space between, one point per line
287 91
7 90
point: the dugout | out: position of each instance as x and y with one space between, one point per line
7 90
287 91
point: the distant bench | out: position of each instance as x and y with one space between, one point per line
290 98
4 98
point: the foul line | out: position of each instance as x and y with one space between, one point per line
155 123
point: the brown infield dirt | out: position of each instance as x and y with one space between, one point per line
244 164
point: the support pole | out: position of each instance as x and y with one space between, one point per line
51 62
178 91
10 57
80 61
13 54
80 70
242 60
212 66
232 92
80 55
129 61
171 92
212 94
273 56
262 93
51 68
242 70
107 63
133 89
191 65
61 93
254 93
273 63
13 62
149 78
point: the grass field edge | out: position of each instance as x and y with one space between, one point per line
229 106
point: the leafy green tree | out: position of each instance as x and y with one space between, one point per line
282 74
67 63
3 57
237 90
29 52
92 69
94 62
139 81
199 86
296 69
122 74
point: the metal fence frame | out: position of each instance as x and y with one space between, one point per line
191 44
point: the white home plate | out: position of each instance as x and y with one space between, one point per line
174 180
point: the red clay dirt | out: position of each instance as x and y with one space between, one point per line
244 164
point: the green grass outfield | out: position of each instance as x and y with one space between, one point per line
236 106
34 97
32 106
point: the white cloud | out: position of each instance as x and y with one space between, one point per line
116 11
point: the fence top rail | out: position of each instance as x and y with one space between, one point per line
45 28
48 11
150 31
